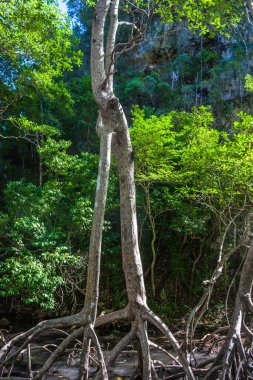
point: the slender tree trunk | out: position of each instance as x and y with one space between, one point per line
113 116
132 265
105 132
153 241
93 273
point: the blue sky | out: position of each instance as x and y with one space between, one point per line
62 5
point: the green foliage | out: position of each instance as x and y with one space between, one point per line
38 48
204 16
35 45
28 127
249 83
79 124
34 279
148 89
197 178
38 241
184 150
187 165
160 150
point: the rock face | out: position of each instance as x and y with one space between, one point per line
175 69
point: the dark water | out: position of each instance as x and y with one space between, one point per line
67 367
123 368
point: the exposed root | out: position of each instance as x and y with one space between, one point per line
112 356
59 351
124 342
146 368
139 331
154 345
205 363
29 335
232 362
7 357
146 358
95 341
160 325
214 370
84 366
153 372
179 375
203 304
112 317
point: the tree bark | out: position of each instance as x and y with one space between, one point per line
93 273
113 116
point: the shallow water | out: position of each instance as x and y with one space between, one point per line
122 369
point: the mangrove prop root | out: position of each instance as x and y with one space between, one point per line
138 331
59 351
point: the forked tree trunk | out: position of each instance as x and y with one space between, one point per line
104 131
113 114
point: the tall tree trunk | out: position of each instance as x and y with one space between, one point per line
114 117
93 273
132 265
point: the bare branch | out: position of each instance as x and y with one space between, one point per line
19 137
120 23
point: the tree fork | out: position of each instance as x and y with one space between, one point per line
111 111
